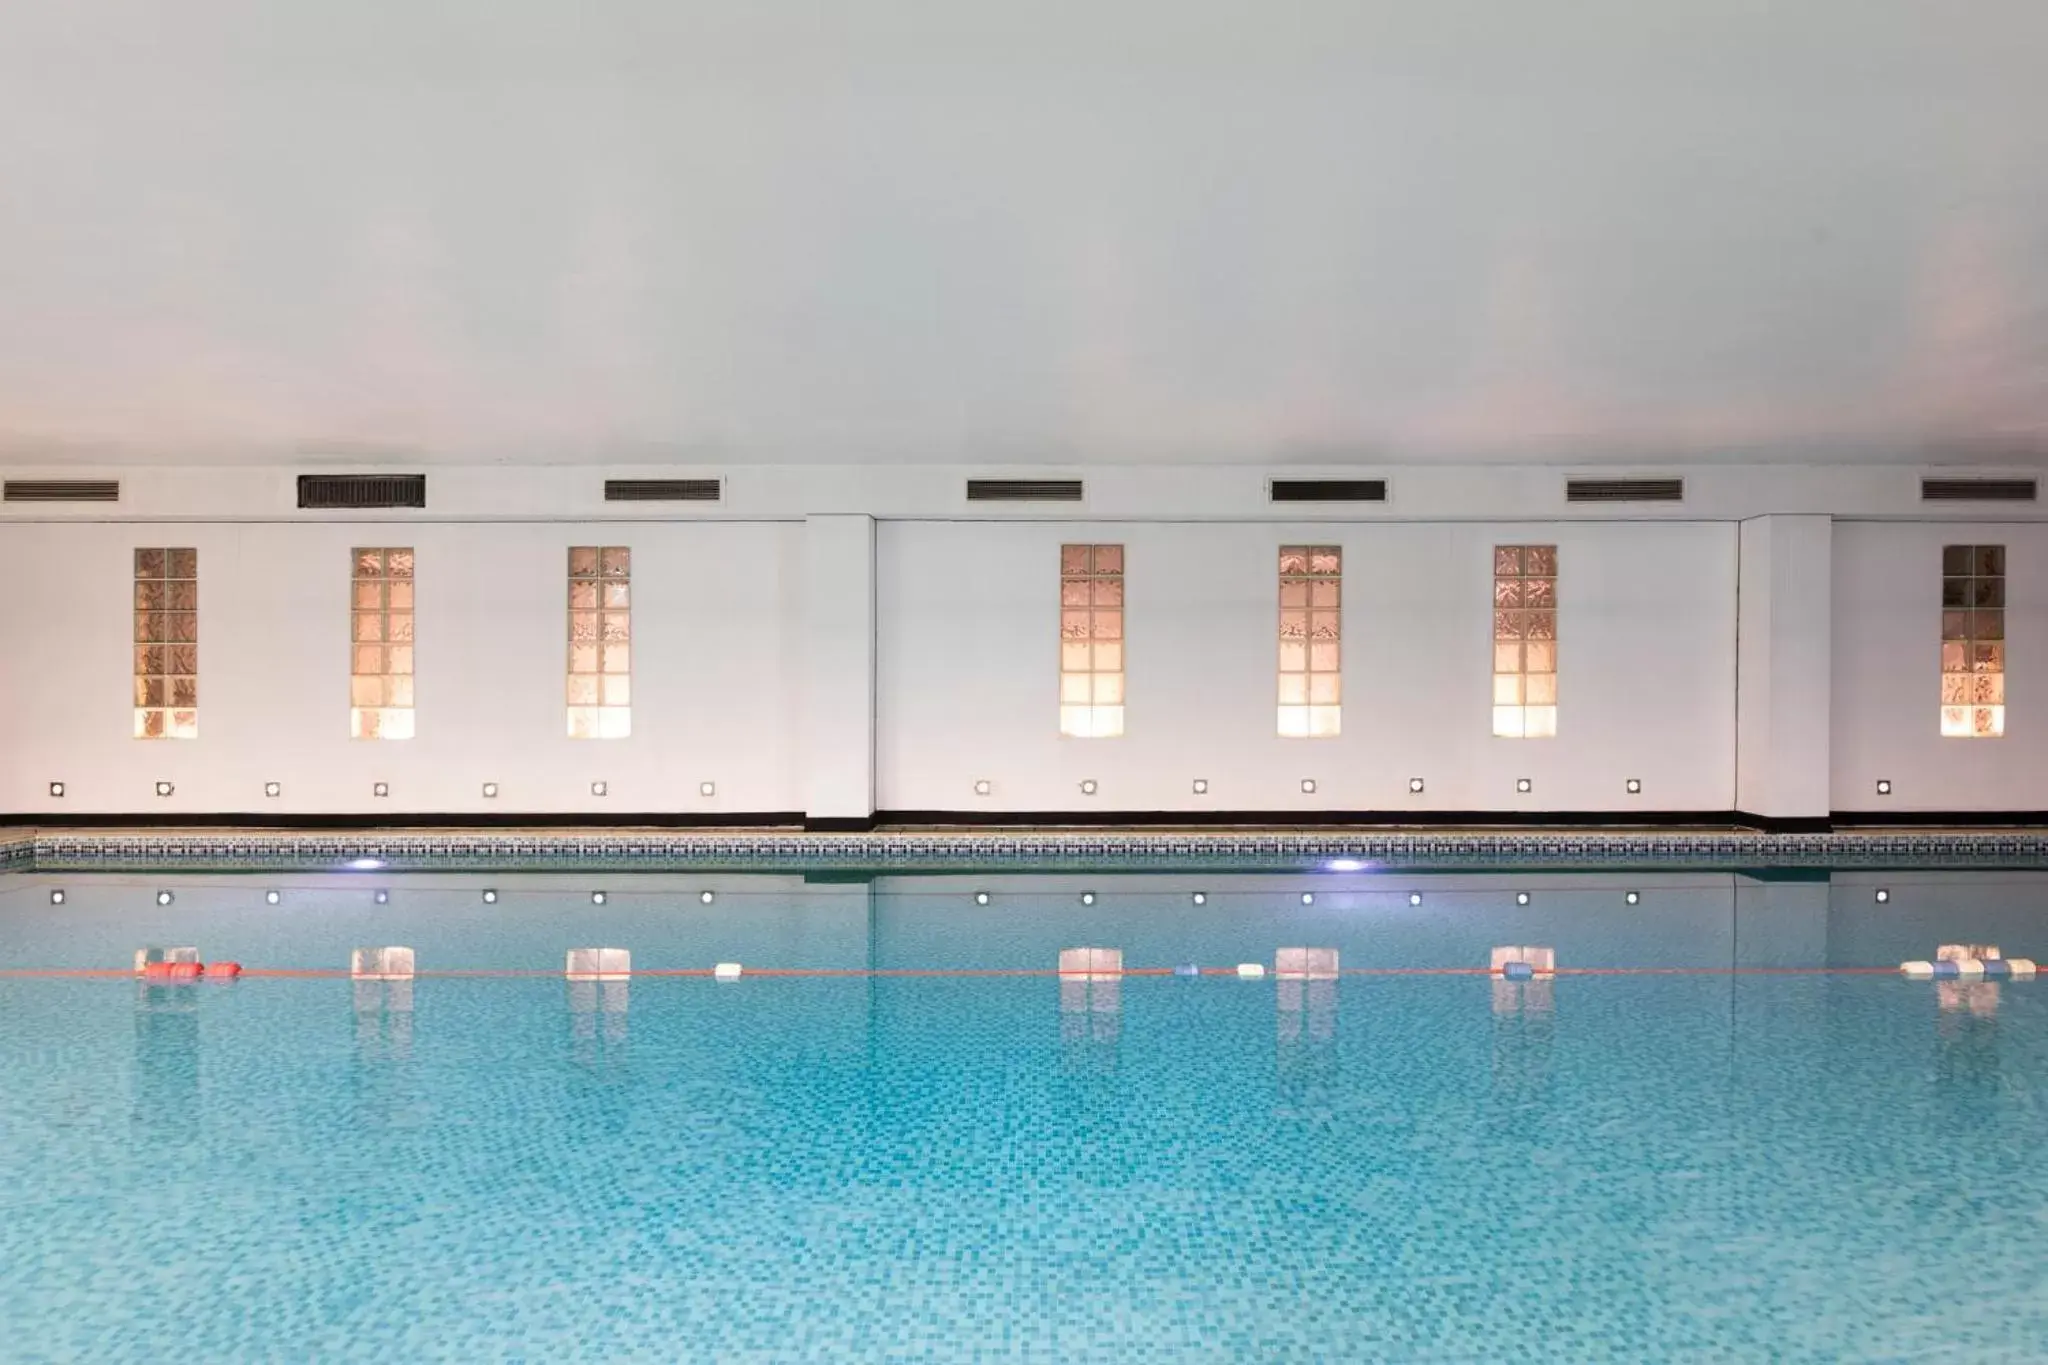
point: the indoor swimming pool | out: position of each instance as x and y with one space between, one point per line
1726 1130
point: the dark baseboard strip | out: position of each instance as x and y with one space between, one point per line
365 820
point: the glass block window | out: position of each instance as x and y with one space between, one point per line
1973 641
1311 640
381 644
600 642
1092 640
167 644
1525 641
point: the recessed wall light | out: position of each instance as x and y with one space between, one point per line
599 788
1087 898
1200 898
1634 785
1308 898
490 897
981 898
1523 784
1087 786
273 789
983 787
490 790
708 897
1415 898
382 898
707 789
164 789
1308 786
164 898
1883 896
1415 784
1633 898
1201 786
1884 786
271 897
56 898
380 789
56 789
597 898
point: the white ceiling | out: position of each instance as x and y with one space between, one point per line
1021 231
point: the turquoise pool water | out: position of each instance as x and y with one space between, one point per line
1724 1161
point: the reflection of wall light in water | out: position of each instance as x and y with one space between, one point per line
383 897
1415 898
366 864
271 898
163 898
1308 898
1344 865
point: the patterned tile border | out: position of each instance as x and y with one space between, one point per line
789 851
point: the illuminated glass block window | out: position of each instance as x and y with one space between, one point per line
1092 640
381 644
1525 641
600 642
167 644
1311 640
1973 641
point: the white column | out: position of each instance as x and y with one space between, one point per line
839 666
1783 680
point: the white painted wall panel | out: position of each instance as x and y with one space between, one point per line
715 649
967 665
1887 672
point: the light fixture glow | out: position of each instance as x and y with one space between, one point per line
1635 785
1414 784
1087 898
1201 898
273 789
1308 785
380 789
597 898
271 898
383 897
366 864
1344 865
1201 786
56 789
707 789
1632 898
1884 786
164 789
1308 898
708 897
983 787
1087 786
164 898
56 898
490 790
1523 784
1521 898
1415 898
490 897
1883 896
599 788
981 898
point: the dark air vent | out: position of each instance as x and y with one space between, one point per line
1327 490
63 490
1624 490
1023 490
662 490
362 490
1977 490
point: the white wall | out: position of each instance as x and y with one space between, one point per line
1783 616
1887 672
717 633
968 665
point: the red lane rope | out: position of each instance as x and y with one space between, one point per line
486 973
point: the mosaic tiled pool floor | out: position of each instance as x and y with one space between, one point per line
1820 1166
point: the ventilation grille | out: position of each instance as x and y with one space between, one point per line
362 490
663 490
1023 490
63 490
1974 490
1624 490
1327 490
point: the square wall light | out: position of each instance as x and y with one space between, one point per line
380 789
490 790
707 789
1308 786
273 789
983 787
1634 785
56 789
1088 786
1523 784
1201 786
1414 784
1884 786
164 789
599 788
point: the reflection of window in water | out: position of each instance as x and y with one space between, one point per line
1091 1020
1305 1037
166 1090
1523 1046
597 1017
1966 1025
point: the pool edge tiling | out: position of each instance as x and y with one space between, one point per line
788 850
